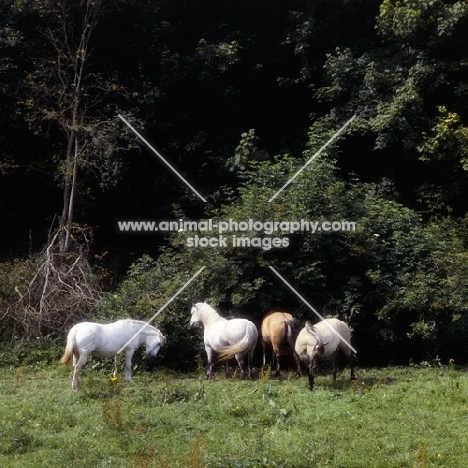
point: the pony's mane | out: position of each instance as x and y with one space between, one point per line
206 309
203 305
141 323
133 320
312 331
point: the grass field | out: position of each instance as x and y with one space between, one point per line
391 417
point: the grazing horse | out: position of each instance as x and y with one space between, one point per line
317 341
229 338
279 331
105 341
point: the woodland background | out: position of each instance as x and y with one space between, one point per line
237 96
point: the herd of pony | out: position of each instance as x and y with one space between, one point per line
223 338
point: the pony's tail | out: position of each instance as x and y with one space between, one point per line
241 346
292 331
70 348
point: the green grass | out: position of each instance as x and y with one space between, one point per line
392 417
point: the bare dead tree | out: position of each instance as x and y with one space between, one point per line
59 294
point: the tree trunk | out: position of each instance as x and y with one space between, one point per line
69 193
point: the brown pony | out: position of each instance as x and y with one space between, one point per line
279 331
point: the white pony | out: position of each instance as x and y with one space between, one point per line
229 338
105 341
319 340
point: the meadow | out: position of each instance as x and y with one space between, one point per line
390 417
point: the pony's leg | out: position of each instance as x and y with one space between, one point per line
264 354
77 366
298 364
227 373
209 364
311 378
264 361
76 356
241 361
333 359
116 366
278 357
249 363
128 365
350 357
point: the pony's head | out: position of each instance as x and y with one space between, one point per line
316 350
195 318
154 343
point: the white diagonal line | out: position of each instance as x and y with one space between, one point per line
312 158
159 156
162 308
311 308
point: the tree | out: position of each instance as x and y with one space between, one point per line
70 92
404 86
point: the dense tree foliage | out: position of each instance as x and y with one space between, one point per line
239 96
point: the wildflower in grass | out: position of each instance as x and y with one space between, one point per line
113 379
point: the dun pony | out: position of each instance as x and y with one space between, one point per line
317 341
279 332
